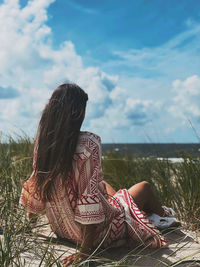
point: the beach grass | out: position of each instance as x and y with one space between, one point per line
176 185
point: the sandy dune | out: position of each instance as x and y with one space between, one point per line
182 246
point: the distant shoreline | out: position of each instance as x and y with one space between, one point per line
161 150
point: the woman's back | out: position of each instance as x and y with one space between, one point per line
78 199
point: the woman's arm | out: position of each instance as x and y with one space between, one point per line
88 238
86 246
109 189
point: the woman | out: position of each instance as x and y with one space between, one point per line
67 185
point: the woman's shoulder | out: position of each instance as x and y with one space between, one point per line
90 136
87 143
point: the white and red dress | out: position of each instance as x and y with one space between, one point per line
84 201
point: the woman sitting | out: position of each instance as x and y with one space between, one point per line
67 185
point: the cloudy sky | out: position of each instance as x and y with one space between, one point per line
139 61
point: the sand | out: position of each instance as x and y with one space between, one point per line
183 250
183 246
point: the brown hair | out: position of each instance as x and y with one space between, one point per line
57 137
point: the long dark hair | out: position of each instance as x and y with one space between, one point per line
57 137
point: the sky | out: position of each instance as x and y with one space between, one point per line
139 62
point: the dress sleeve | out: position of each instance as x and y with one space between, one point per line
29 199
89 208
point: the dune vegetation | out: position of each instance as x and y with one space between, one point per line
176 184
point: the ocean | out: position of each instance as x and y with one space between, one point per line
158 150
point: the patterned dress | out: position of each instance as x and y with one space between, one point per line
85 201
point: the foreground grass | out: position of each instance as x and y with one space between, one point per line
177 185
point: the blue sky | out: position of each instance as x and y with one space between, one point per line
120 24
139 61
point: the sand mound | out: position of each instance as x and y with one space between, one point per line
183 250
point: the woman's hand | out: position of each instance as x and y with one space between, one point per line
32 217
74 259
86 246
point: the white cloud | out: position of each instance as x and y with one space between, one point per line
179 57
128 118
152 73
31 66
186 103
81 8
